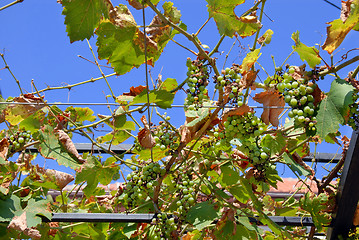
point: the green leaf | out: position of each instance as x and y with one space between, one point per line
51 148
309 54
169 84
93 173
228 23
145 154
129 229
36 207
115 137
202 214
338 29
295 167
9 208
334 108
116 43
161 98
276 143
84 114
228 175
33 122
82 17
239 193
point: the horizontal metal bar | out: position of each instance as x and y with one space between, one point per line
88 147
100 217
147 218
287 221
122 148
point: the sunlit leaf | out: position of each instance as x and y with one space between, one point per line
202 214
309 54
228 23
82 17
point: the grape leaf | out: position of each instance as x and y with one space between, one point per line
93 173
269 99
228 23
115 137
295 167
9 208
16 113
171 12
201 215
228 175
249 61
266 38
161 98
334 108
309 54
169 84
82 17
339 28
51 148
35 207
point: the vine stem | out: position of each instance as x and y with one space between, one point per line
8 68
337 68
191 51
102 74
355 72
76 84
260 20
11 4
204 24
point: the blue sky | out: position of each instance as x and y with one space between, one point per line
36 46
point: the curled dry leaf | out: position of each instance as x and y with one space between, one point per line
69 145
188 133
299 72
4 148
61 178
19 223
344 13
134 91
270 98
144 136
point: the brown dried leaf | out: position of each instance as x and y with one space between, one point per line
136 4
344 13
134 91
145 138
318 95
69 145
249 78
19 223
4 148
237 111
270 98
61 178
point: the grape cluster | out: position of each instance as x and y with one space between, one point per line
244 126
354 111
297 93
197 82
165 136
186 196
231 80
140 184
17 140
163 227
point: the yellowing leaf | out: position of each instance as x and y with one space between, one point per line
249 60
339 28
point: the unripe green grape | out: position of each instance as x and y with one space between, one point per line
291 70
303 100
293 102
290 114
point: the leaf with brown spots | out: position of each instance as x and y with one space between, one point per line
270 98
19 223
136 4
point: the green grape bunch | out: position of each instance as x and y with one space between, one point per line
353 120
231 82
140 184
165 136
197 82
18 140
163 227
297 94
